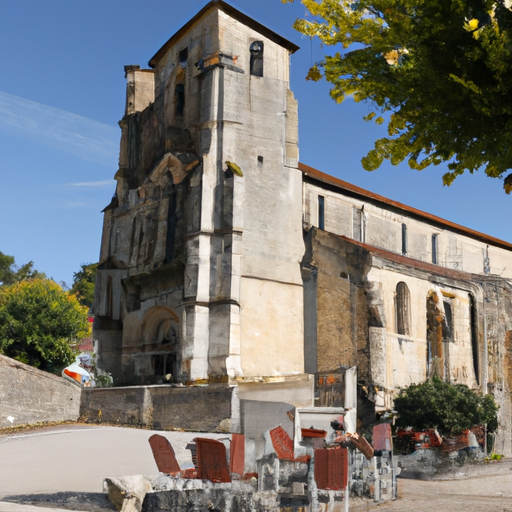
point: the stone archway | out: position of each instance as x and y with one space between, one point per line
161 337
439 335
435 359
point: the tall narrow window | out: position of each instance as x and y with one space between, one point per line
403 309
321 212
434 249
183 58
356 224
359 224
179 94
171 226
448 321
404 239
110 294
256 50
363 224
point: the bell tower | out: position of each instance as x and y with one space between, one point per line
205 231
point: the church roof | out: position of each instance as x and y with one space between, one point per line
355 191
430 268
234 13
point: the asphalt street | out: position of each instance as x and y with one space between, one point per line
77 458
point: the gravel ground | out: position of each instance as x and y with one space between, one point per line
482 494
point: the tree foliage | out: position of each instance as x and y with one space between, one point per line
438 69
11 273
83 284
38 323
450 408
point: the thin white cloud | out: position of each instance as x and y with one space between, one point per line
59 129
70 205
105 183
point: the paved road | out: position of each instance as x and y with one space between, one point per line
78 458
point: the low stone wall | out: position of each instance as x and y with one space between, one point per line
29 395
201 408
433 464
280 486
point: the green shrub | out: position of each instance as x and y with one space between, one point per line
450 408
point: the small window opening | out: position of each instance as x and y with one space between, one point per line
356 224
359 224
404 239
448 321
110 295
183 58
363 224
434 249
321 212
256 50
179 93
487 262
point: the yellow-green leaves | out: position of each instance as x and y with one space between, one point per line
440 69
314 74
471 25
370 116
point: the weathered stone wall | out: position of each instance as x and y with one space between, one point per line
497 363
29 395
352 317
205 409
405 354
341 334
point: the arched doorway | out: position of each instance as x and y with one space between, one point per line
161 336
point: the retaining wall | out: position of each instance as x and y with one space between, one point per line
29 395
201 408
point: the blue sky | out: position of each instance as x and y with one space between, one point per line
62 92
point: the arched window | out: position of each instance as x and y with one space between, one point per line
256 50
403 309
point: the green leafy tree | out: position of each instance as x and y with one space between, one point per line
450 408
11 273
436 71
84 282
39 322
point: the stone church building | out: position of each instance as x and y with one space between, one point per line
268 277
